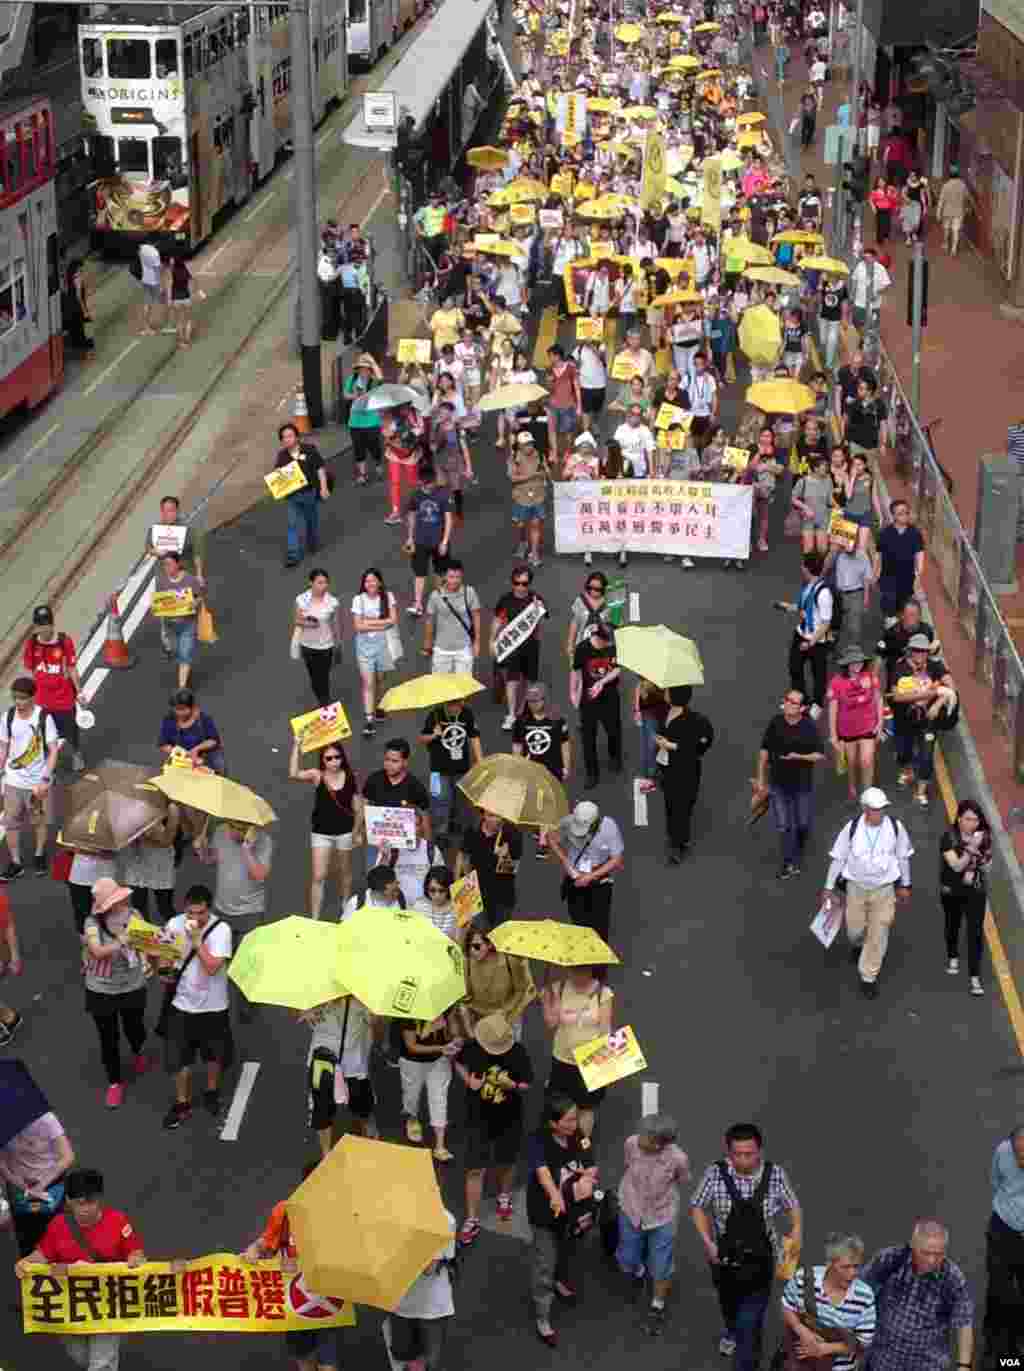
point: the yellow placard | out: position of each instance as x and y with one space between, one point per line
414 350
624 368
220 1293
674 38
320 727
486 240
603 1061
736 457
562 184
178 757
173 604
466 899
652 185
155 942
842 531
670 414
600 251
589 330
285 480
675 440
523 214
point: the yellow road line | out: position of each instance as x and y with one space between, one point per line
1000 961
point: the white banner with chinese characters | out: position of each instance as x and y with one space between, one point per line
685 518
515 633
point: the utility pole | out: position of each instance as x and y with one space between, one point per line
305 208
916 319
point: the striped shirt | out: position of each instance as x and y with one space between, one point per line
856 1313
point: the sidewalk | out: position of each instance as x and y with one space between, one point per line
972 378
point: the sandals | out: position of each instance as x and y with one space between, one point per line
414 1130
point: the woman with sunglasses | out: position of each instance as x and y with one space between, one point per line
336 808
495 982
589 608
576 1010
436 903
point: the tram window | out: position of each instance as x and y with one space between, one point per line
167 159
128 57
213 47
12 168
52 266
262 19
92 56
357 11
132 154
102 148
28 153
6 300
227 34
166 57
19 288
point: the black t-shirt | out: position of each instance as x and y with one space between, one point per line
898 552
411 792
693 735
507 609
969 881
848 378
793 336
429 508
494 1108
562 1162
809 205
541 740
449 754
434 1040
833 293
309 460
495 858
595 663
864 419
780 738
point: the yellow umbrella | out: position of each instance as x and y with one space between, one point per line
527 185
669 19
398 964
772 276
684 61
520 791
423 692
710 74
753 254
602 104
673 265
832 265
749 140
639 112
548 940
509 397
502 248
629 33
674 186
597 209
781 397
749 120
708 27
292 962
760 335
368 1221
487 159
729 160
212 794
679 297
800 236
659 655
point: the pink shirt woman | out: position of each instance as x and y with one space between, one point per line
856 698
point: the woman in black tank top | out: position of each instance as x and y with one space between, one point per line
335 809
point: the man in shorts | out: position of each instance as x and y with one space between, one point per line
29 746
527 474
50 656
565 403
451 637
152 269
198 1019
429 529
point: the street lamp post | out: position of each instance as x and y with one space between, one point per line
305 208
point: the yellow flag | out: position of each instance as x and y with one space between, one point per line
652 187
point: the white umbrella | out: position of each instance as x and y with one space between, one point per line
391 396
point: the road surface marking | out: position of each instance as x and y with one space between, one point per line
323 138
233 1121
640 818
648 1098
996 950
113 366
375 207
31 453
258 209
208 264
290 174
125 596
634 606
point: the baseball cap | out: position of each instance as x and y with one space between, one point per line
873 798
916 643
584 816
42 614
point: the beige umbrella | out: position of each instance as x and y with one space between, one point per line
518 790
508 397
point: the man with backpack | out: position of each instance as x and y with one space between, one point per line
29 746
50 656
871 866
732 1210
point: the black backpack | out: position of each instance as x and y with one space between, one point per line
745 1247
39 727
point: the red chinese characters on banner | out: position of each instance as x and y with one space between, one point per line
232 1293
197 1291
268 1294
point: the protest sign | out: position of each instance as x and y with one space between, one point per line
522 214
391 826
173 604
550 218
678 518
605 1060
285 480
623 368
466 899
415 350
589 330
842 531
736 457
670 414
319 727
153 941
167 538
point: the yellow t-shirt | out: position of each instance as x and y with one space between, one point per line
579 1020
446 325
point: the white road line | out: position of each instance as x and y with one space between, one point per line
375 207
206 269
648 1098
31 453
258 209
323 138
233 1121
125 597
640 818
97 640
634 606
113 366
92 685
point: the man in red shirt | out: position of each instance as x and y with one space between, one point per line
87 1231
50 656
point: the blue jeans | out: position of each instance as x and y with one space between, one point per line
650 1247
791 810
916 748
648 747
303 523
743 1313
444 803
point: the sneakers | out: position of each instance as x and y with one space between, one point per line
726 1346
534 560
815 712
369 731
414 1130
921 796
211 1102
953 966
654 1324
687 564
788 871
114 1096
393 518
12 871
623 559
588 559
8 1030
415 610
508 723
178 1114
906 775
504 1208
976 987
521 550
869 990
441 1154
469 1232
39 867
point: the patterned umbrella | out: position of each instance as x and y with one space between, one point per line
547 940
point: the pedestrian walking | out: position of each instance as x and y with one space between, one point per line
924 700
493 849
363 422
1004 1254
809 103
74 307
733 1210
435 903
29 748
871 856
377 640
51 659
416 1331
655 1168
338 1068
452 739
116 981
650 707
965 856
790 748
590 849
893 643
682 741
302 505
150 277
851 573
34 1160
187 727
451 630
564 403
429 530
316 632
868 271
855 718
86 869
588 609
527 474
841 1302
899 560
924 1304
180 624
954 202
393 787
337 808
179 300
497 1073
516 653
146 865
496 983
426 1058
594 691
242 854
812 636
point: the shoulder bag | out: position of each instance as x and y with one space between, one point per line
786 1358
171 989
75 1229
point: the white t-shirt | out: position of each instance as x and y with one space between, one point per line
149 257
199 993
593 372
859 281
702 393
446 920
411 867
322 611
330 1019
818 70
430 1295
370 607
637 446
26 755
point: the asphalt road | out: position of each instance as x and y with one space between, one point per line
882 1112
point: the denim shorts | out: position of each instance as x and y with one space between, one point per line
861 520
183 639
564 419
522 514
650 1247
372 652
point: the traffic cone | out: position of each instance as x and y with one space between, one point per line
300 412
115 650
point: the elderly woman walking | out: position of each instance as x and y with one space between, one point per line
840 1301
648 1210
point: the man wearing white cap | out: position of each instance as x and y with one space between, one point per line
590 849
871 863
